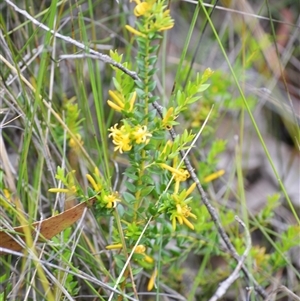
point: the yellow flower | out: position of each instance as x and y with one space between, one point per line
141 249
156 19
121 138
180 175
111 200
141 135
166 22
142 8
181 215
178 209
76 144
125 136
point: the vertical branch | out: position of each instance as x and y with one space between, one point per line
235 274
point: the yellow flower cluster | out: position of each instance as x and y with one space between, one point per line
109 200
180 175
156 17
178 208
125 136
183 211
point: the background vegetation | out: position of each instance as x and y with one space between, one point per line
55 120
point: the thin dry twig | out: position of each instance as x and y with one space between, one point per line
102 57
283 288
159 109
214 215
235 274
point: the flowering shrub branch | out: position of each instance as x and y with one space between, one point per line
140 136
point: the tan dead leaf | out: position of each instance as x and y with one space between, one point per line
47 228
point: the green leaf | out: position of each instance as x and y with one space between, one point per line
119 259
131 187
152 60
136 271
147 179
193 99
151 86
131 175
128 197
140 84
203 87
146 191
117 85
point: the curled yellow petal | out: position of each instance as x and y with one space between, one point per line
192 215
171 169
152 280
174 223
114 247
97 187
64 190
134 31
168 144
114 106
132 101
191 189
116 98
188 223
166 27
179 218
148 259
214 176
178 209
168 118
